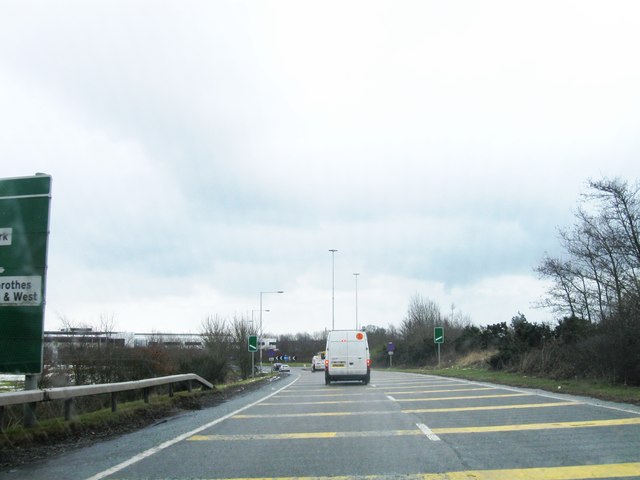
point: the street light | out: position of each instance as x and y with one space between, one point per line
333 289
261 339
356 275
256 310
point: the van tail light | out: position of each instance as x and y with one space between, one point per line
326 363
368 362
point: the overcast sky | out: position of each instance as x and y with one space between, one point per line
202 152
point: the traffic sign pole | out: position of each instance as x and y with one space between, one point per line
438 338
390 348
252 347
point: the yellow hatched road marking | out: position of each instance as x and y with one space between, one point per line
337 390
444 391
492 407
610 470
424 380
327 402
422 385
468 397
311 414
435 399
306 435
418 410
416 432
539 426
322 395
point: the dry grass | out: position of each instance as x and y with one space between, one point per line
477 359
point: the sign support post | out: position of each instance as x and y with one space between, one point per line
438 338
390 348
252 347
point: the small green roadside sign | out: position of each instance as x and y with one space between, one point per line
24 233
438 335
253 343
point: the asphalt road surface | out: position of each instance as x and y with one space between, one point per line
399 426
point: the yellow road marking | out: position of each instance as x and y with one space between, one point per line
305 435
422 385
328 402
418 410
323 395
539 426
310 414
424 380
443 391
335 389
492 407
610 470
469 397
435 399
437 431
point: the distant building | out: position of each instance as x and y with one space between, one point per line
129 339
85 336
192 340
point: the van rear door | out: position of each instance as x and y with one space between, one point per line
348 353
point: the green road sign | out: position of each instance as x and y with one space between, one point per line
24 231
438 335
253 343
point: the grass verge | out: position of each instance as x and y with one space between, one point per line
585 387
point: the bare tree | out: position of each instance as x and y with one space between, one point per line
603 254
216 336
241 328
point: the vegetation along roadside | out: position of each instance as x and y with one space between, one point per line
584 387
53 436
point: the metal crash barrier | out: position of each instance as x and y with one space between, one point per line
32 397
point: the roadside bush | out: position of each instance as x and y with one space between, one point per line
204 364
469 340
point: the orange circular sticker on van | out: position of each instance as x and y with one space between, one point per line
359 336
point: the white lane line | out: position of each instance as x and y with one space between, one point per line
391 398
427 431
179 438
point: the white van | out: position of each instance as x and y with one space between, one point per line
317 362
347 356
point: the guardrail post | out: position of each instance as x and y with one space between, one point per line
146 394
1 418
30 383
68 409
189 386
171 390
114 402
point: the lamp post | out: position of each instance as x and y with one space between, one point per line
256 310
333 289
356 275
260 333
